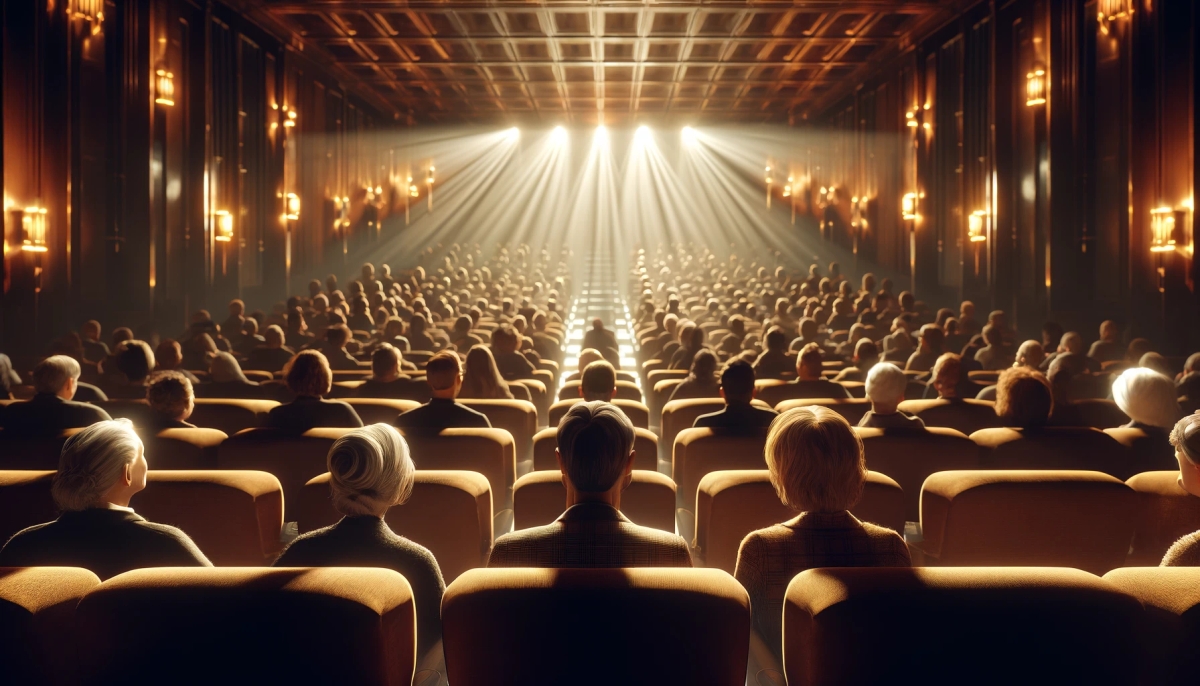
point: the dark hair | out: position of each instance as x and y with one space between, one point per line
1023 398
737 380
134 359
442 369
385 358
595 440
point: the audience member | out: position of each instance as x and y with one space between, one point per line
444 375
132 362
774 361
511 363
737 388
866 356
1148 399
808 382
171 400
308 377
928 352
601 339
51 410
297 336
1024 399
94 349
701 381
9 378
1108 348
1185 438
168 357
273 355
387 379
481 378
995 355
885 389
1188 384
598 382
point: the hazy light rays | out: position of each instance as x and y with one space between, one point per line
664 205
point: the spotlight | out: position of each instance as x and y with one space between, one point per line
643 133
601 134
559 135
513 134
689 135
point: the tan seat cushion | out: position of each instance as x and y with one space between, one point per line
380 410
968 415
293 459
490 452
910 457
699 452
183 448
649 500
37 623
1166 513
229 415
851 409
1171 596
518 417
1054 448
25 500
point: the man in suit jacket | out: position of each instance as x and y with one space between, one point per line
737 388
387 380
809 382
595 454
52 409
444 375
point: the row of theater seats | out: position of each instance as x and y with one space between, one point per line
1080 519
591 626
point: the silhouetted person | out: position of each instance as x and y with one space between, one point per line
600 338
512 364
308 377
701 381
929 351
387 380
168 357
273 355
94 349
52 409
334 349
808 382
737 388
133 360
444 375
481 378
1108 348
774 361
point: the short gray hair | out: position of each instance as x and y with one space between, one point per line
370 470
1147 397
92 461
886 383
52 373
595 440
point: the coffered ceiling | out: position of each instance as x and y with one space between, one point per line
602 61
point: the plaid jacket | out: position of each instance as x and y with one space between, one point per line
590 535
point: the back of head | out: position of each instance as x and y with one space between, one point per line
1155 361
223 368
886 384
168 354
1023 398
442 370
308 374
866 351
1186 438
385 360
338 335
1071 342
1030 354
931 337
1147 397
595 440
1192 364
505 339
810 362
704 366
598 381
52 374
170 395
947 371
370 470
134 359
92 461
776 339
815 460
273 336
737 381
588 356
992 335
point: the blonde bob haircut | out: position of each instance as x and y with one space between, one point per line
92 461
370 470
815 460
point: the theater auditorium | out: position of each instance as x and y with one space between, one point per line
599 342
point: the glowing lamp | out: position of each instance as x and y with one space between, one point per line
1162 229
910 119
91 11
291 118
223 226
1114 9
293 207
975 226
164 88
429 176
908 206
1035 87
33 223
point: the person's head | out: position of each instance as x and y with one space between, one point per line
444 374
368 272
815 460
776 339
224 368
598 382
273 336
588 356
931 338
314 289
337 336
121 334
809 363
91 330
134 359
992 335
866 352
1137 348
385 363
57 375
170 395
103 463
1155 361
237 308
998 319
1109 333
704 367
868 283
737 383
1030 355
1023 398
907 301
885 387
168 354
1071 342
946 374
462 326
1192 364
1185 438
595 451
966 309
481 375
370 470
1147 397
308 374
505 339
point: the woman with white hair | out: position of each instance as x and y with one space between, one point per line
100 469
885 389
1148 398
370 471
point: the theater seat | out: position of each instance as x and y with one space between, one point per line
731 504
1094 413
182 448
638 413
540 497
37 623
538 395
1147 452
1054 448
487 451
625 391
851 409
228 415
645 448
250 626
32 452
678 415
1039 518
967 416
660 394
862 625
518 417
25 500
135 410
380 410
538 627
699 452
909 457
1166 513
1171 596
449 512
292 458
773 392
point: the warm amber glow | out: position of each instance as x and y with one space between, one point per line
90 11
1114 9
976 223
291 118
223 226
164 88
293 207
1162 229
33 222
911 119
1035 87
908 206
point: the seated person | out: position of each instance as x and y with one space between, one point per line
1108 348
1188 384
228 381
737 388
1024 399
511 363
250 338
600 338
1070 347
94 349
595 454
52 409
731 343
133 361
334 349
273 355
692 339
418 336
1185 438
1148 399
586 357
930 348
308 377
885 389
701 381
817 467
808 382
370 471
168 357
171 402
1029 355
598 382
461 337
9 378
774 361
481 378
387 380
444 374
995 355
946 380
866 356
297 336
100 469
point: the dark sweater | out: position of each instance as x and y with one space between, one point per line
108 542
366 541
47 414
739 416
305 413
442 413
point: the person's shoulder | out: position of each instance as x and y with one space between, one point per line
30 535
1184 553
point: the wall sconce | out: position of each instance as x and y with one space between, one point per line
290 120
1035 86
976 225
787 189
164 88
293 207
413 191
33 223
768 175
1162 229
908 207
91 11
1115 9
910 119
429 185
223 226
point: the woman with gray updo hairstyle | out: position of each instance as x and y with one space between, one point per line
370 471
100 469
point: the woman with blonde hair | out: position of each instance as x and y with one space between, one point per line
481 377
370 471
816 465
100 469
